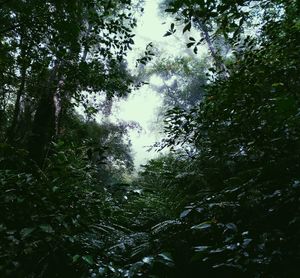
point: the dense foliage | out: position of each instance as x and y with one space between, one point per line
224 202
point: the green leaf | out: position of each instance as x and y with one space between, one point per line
47 228
88 259
170 10
228 266
202 226
185 213
166 256
148 260
190 44
217 250
26 232
231 226
201 248
75 258
167 34
187 27
166 259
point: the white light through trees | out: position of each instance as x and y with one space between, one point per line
143 105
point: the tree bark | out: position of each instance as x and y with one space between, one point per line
12 129
218 61
46 124
43 128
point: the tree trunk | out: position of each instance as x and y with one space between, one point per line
218 61
43 128
46 124
12 129
11 133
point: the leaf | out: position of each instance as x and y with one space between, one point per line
148 260
166 259
231 226
200 210
88 259
201 248
228 266
185 213
165 225
187 27
218 250
149 45
26 232
200 41
166 256
167 34
75 258
170 10
296 184
47 228
202 226
112 269
247 241
190 44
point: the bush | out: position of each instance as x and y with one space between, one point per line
45 218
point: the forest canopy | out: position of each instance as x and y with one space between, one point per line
223 201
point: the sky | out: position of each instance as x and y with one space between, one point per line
142 105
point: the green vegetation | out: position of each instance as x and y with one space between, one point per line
224 202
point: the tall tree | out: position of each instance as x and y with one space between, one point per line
57 50
226 21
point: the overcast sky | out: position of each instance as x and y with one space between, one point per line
142 105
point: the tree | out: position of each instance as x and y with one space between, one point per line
57 50
183 80
242 219
227 22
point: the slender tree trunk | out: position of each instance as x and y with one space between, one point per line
86 49
12 129
43 128
58 98
46 124
218 61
